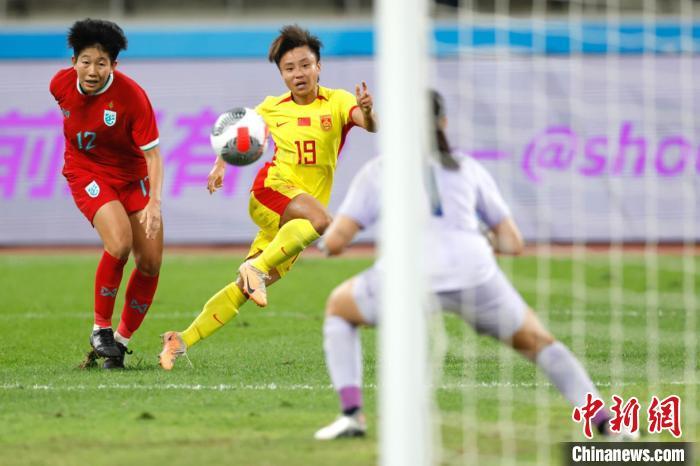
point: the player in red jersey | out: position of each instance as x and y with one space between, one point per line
115 173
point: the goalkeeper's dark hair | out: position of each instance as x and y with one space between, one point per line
99 33
291 37
447 160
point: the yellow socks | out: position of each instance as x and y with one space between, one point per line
292 238
220 308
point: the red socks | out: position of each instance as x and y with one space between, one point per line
139 296
107 280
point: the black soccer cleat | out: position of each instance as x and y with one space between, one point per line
118 362
102 341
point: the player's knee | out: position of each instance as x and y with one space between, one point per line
119 248
541 340
333 303
531 341
149 266
341 303
321 222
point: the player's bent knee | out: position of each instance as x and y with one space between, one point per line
321 223
119 249
333 303
341 303
150 267
531 341
540 341
532 336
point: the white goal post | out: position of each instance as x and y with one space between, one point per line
402 33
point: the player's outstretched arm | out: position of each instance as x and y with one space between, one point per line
507 238
151 215
216 175
364 115
338 235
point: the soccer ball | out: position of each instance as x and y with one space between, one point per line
239 136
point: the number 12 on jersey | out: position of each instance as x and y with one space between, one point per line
87 138
306 152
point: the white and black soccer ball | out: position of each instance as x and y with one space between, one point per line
239 136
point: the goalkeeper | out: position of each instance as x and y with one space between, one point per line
463 274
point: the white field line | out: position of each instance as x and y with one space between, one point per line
282 387
156 315
169 386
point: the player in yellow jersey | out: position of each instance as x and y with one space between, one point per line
290 194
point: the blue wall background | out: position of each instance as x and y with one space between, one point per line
555 37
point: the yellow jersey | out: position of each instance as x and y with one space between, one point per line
308 139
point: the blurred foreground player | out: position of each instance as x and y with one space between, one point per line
463 275
115 172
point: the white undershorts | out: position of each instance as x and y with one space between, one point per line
493 308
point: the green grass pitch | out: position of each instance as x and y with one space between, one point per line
259 387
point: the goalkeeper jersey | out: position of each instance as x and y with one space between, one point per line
458 255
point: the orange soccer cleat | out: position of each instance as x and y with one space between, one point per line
173 348
254 283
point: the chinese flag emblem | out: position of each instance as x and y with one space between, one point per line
326 122
303 121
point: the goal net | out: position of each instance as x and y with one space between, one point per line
583 111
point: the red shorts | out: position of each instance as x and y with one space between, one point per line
90 192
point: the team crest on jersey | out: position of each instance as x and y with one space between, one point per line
93 189
110 117
326 122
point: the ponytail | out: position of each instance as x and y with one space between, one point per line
446 159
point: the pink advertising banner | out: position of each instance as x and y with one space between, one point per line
589 148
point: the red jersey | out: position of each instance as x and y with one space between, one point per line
107 132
